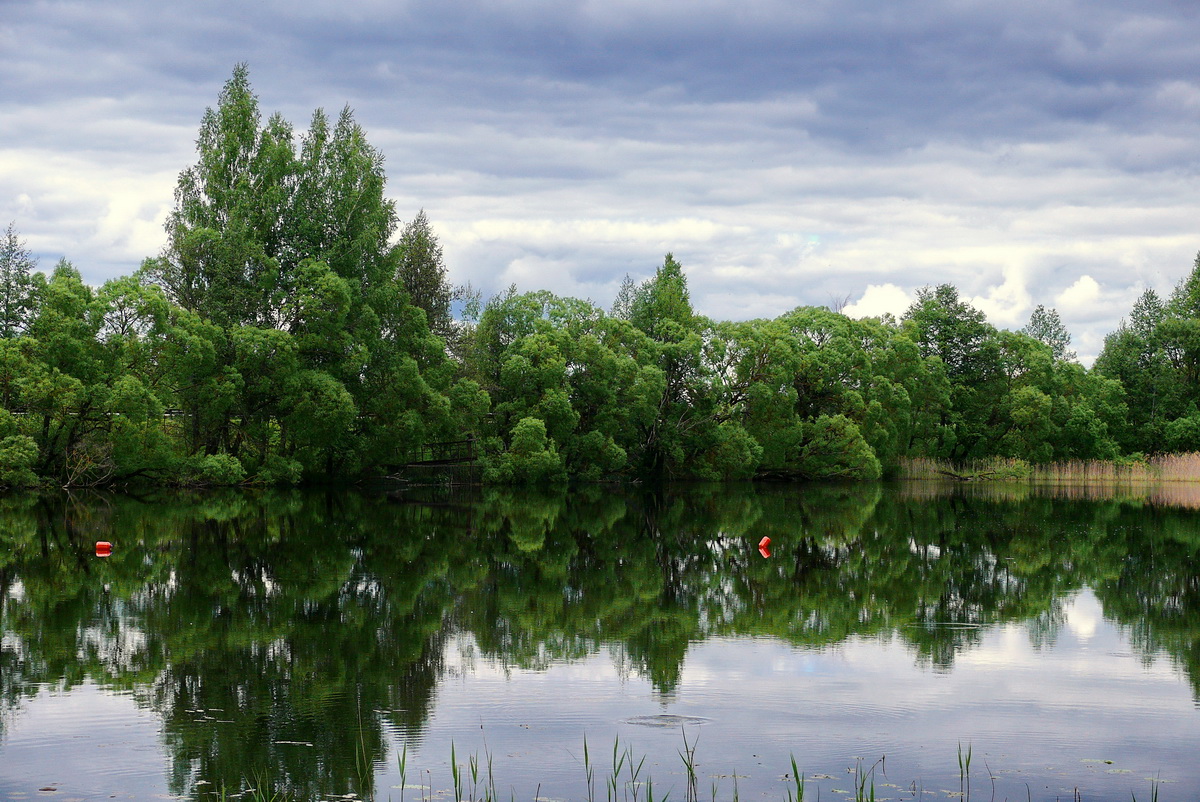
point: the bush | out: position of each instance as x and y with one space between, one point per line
278 470
217 469
18 453
531 458
595 455
1007 469
834 448
734 454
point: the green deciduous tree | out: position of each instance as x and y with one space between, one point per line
1047 328
1155 356
20 284
294 338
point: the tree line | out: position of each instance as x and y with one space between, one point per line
293 329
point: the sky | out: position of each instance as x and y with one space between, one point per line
802 152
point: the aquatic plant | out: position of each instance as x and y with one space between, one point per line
798 780
964 771
474 781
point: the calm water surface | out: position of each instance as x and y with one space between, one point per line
305 641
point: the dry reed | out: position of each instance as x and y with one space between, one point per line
1167 479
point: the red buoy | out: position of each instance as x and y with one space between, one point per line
765 543
103 548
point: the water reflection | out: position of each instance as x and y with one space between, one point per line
286 636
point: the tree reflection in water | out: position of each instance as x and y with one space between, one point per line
289 635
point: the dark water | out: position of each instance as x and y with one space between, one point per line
305 642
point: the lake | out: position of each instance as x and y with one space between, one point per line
922 641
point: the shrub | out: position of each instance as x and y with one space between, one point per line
834 448
278 470
217 469
734 454
531 457
18 453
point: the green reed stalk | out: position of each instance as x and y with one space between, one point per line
473 767
863 793
455 773
491 789
964 772
634 773
798 780
402 764
688 755
1153 791
589 772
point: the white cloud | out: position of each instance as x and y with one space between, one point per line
1080 296
1007 304
878 300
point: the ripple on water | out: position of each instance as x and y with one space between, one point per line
666 721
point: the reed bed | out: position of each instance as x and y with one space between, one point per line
623 779
1166 479
1160 468
992 469
1178 467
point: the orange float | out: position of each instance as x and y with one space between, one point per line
103 548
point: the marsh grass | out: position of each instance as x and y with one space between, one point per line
688 756
402 765
864 781
1154 783
795 793
1136 469
1166 479
964 771
991 469
627 781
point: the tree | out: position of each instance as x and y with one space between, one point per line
530 459
1185 299
588 378
623 304
421 269
1155 355
952 330
662 306
1148 311
68 381
833 448
279 258
225 235
970 353
252 212
19 284
1045 326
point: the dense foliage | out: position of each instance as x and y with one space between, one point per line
292 329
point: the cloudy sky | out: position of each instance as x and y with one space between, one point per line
787 151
